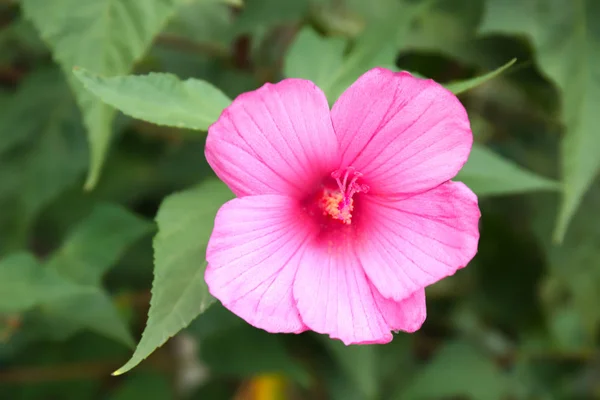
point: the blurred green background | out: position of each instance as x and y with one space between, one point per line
76 266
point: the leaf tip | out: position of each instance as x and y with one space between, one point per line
89 185
559 234
92 179
118 372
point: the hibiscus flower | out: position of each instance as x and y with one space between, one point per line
342 216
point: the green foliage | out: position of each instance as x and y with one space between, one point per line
41 156
488 174
462 86
179 293
574 274
81 279
86 255
458 369
566 38
332 70
192 104
94 311
106 36
327 56
359 365
97 243
25 284
67 287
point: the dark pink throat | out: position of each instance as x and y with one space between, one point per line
335 202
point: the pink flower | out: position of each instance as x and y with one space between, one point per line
343 217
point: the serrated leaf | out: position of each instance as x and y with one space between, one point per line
459 87
159 98
179 292
25 283
567 44
458 369
488 174
97 243
107 36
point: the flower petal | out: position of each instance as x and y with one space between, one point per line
407 315
404 134
411 243
335 297
253 256
277 139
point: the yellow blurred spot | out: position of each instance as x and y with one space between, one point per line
264 387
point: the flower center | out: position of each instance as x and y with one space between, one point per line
338 202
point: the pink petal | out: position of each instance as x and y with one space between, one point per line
277 139
335 297
411 243
253 256
407 315
404 134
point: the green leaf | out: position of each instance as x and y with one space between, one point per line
90 250
179 292
97 243
25 283
333 72
107 36
372 49
329 69
327 56
159 98
95 311
458 369
567 50
488 174
463 86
